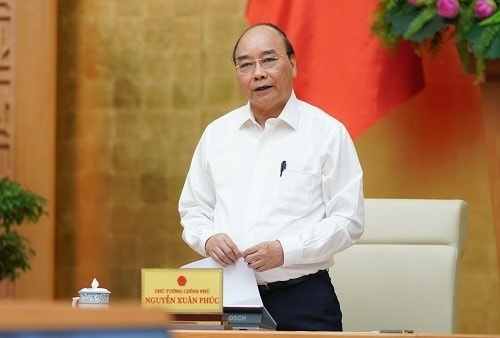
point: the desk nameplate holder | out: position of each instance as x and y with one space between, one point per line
194 297
188 294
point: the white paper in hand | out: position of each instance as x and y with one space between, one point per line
239 288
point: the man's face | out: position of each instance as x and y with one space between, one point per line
267 89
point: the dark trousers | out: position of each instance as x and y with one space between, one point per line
310 305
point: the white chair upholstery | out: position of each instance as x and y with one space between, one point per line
404 271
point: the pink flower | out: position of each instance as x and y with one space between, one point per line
484 8
448 8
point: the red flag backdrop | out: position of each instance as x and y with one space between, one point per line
341 66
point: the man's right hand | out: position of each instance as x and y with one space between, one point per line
222 248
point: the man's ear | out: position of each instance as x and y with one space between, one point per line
293 62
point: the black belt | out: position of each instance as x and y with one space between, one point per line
287 283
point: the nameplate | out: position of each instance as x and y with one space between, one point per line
182 290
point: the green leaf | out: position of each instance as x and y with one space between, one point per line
494 19
430 28
493 51
400 16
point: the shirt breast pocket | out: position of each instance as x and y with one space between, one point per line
293 193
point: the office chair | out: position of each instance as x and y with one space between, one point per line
404 272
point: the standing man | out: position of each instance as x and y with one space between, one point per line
277 183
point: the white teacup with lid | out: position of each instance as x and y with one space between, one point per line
94 297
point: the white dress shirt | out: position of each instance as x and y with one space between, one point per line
235 185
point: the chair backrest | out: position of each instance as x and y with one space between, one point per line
404 271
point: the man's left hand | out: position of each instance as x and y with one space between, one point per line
264 256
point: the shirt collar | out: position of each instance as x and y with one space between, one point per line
289 115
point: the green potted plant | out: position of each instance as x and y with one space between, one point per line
17 206
475 25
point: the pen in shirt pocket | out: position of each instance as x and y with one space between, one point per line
282 167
